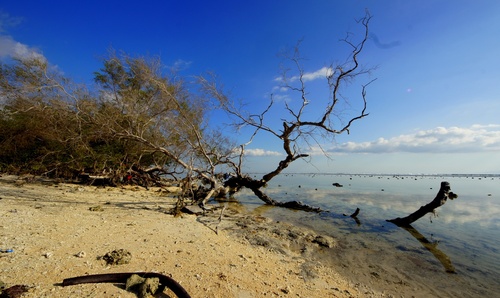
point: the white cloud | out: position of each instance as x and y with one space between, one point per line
318 74
8 21
321 73
279 98
261 152
477 138
180 65
12 48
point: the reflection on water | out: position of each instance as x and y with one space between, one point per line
432 247
467 228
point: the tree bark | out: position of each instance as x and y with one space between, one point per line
256 185
297 205
441 198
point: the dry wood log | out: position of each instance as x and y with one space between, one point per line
442 196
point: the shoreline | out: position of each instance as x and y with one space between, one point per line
54 235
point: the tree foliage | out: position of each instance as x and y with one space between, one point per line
50 126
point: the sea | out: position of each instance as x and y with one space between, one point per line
454 251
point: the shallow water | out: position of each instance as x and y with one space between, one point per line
464 230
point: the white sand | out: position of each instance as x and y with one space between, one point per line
47 226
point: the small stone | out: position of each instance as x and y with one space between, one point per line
80 254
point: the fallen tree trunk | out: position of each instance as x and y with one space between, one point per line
442 196
236 183
297 205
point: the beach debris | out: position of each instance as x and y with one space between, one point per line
117 257
96 208
163 281
355 216
145 287
336 184
48 254
80 254
8 250
14 292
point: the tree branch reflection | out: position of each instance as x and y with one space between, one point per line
432 247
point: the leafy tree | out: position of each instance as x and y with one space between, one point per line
35 117
139 103
43 129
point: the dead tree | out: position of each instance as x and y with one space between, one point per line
296 132
442 196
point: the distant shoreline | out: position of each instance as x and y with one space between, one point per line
392 174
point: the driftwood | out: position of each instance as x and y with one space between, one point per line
442 196
165 281
255 186
297 205
355 216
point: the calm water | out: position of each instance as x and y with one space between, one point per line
466 229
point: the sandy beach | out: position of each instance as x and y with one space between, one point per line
58 231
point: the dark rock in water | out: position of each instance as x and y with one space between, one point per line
337 184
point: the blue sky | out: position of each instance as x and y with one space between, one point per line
434 107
